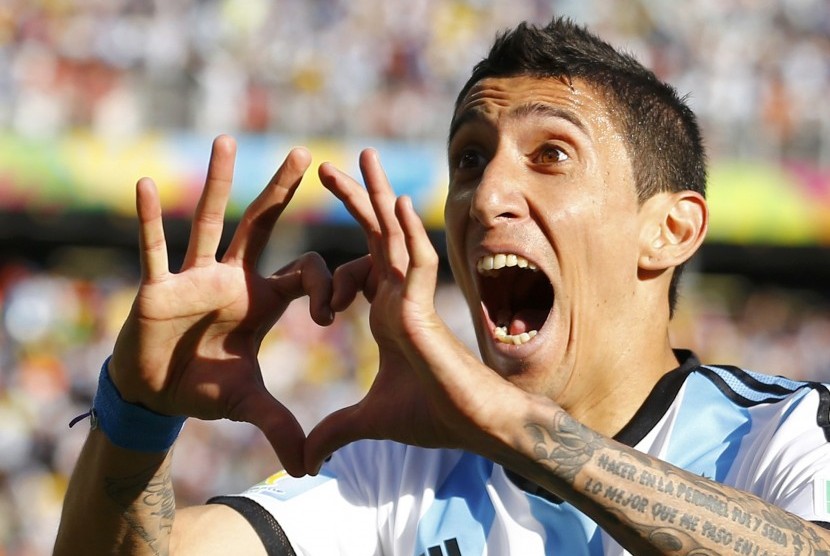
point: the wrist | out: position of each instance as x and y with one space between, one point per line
128 425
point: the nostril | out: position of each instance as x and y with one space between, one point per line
491 208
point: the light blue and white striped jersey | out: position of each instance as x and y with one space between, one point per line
765 435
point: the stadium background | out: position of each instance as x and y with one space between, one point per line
96 93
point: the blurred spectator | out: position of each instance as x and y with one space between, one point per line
757 70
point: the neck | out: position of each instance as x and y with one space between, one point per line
617 387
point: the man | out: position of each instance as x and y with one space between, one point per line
575 198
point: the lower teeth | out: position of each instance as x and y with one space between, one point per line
515 339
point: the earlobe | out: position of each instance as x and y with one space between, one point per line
673 227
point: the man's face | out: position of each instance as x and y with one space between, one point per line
542 228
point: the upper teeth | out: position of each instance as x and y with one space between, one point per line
489 263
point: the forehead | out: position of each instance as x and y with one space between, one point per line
496 99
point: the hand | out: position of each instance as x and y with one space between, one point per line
190 343
429 390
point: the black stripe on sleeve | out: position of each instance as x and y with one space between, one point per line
823 417
730 393
265 525
755 384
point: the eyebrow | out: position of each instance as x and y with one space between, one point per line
547 111
521 111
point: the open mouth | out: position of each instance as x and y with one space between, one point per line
516 295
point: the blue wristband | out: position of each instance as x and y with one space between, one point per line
129 425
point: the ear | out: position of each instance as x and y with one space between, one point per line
672 228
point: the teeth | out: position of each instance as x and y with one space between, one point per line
489 263
515 339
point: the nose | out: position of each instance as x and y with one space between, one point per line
498 196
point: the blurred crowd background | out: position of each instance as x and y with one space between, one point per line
756 69
757 72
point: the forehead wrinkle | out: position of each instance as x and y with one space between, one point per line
472 107
475 110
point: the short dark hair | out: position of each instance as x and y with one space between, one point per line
660 131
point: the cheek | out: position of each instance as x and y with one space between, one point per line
456 214
457 201
612 263
455 219
594 242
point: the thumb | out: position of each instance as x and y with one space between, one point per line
279 426
333 432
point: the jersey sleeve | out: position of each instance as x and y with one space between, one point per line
792 465
334 512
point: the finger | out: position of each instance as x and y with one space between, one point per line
333 432
349 279
308 275
422 273
279 426
152 246
383 199
258 221
356 200
206 231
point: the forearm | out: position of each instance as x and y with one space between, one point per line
118 502
650 506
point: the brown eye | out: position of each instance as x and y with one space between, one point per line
550 154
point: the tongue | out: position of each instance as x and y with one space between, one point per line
526 320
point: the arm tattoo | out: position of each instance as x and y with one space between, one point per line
671 510
148 505
566 447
